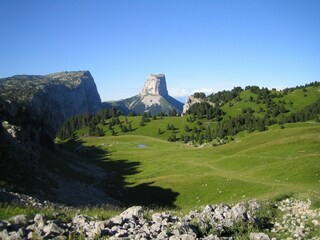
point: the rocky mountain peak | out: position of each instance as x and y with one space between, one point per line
153 98
155 85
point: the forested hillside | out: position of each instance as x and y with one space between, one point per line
216 119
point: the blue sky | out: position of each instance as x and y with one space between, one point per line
206 45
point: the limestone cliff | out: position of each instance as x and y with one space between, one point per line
155 85
153 98
54 97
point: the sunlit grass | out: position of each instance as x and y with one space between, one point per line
259 165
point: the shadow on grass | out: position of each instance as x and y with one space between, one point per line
114 183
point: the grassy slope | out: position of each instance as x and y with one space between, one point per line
298 97
259 165
150 128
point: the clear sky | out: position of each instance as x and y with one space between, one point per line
206 45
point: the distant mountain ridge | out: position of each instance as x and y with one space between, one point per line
52 98
153 98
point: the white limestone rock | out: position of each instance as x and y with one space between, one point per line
155 85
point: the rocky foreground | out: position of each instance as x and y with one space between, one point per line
247 220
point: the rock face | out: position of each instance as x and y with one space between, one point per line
153 98
54 97
155 85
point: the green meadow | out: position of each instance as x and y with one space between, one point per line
155 172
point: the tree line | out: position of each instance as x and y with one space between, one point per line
91 121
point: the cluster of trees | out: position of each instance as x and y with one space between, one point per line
200 95
308 113
222 97
205 110
199 135
246 121
194 134
91 121
145 118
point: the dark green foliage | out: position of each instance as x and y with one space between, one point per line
225 96
199 95
205 110
129 127
124 129
171 127
91 121
113 133
310 112
95 131
172 138
145 119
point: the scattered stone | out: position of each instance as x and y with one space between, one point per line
212 222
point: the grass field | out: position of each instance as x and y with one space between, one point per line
258 165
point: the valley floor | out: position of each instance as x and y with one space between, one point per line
257 165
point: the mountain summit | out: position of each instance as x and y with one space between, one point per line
153 98
155 85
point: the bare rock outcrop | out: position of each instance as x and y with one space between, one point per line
155 85
190 101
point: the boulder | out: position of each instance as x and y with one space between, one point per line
239 212
52 228
40 220
258 236
134 213
18 220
